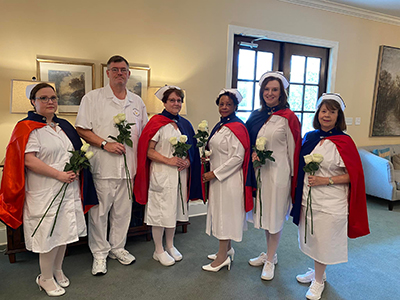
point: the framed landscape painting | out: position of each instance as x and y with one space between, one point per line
138 82
72 80
385 116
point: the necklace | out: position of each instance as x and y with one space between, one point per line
52 124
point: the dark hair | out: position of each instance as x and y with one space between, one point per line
170 91
331 105
117 59
38 87
231 96
282 99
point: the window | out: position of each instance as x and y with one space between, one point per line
304 66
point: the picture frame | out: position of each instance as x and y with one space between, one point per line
385 115
138 82
72 80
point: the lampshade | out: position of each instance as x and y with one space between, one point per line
19 103
155 105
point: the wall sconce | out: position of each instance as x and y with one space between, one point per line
19 102
156 106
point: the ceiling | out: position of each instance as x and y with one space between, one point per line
388 7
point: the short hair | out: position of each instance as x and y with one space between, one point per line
117 59
282 99
331 105
37 88
170 91
231 96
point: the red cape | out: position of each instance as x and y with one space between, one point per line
240 131
358 216
294 126
142 179
12 192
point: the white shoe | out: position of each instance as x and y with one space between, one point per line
209 268
315 290
268 271
259 260
176 255
52 293
99 266
164 258
61 279
309 276
230 253
123 256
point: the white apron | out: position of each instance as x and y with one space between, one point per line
52 148
328 243
164 206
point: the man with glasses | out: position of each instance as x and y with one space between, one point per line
95 124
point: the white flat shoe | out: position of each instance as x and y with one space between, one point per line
261 259
53 293
230 253
176 255
164 258
209 268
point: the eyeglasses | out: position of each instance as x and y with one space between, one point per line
116 70
175 100
46 99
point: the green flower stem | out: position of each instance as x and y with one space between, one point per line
58 209
180 191
128 178
309 202
48 208
259 192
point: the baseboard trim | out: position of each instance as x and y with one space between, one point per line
3 235
197 208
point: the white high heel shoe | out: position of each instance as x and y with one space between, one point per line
54 293
209 268
64 282
230 253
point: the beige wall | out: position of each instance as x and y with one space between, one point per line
185 43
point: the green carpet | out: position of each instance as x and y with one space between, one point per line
371 273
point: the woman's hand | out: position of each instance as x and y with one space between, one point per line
208 176
317 180
254 157
178 162
187 165
66 177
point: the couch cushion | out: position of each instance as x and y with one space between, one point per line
396 161
384 153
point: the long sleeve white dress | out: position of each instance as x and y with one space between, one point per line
226 214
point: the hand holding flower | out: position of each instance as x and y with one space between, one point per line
208 176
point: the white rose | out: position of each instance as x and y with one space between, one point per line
121 117
318 158
183 138
89 154
261 142
260 147
173 140
205 122
308 158
116 120
208 153
202 127
85 147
